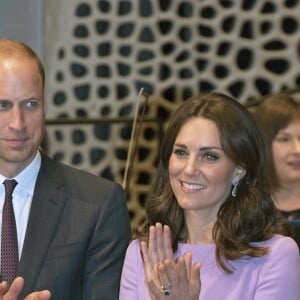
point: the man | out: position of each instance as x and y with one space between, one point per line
72 227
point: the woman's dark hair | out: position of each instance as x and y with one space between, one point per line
250 216
274 113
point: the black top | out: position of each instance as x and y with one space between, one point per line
293 221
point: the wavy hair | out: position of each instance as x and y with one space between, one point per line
250 216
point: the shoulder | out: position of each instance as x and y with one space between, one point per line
74 176
134 248
133 258
284 245
133 255
79 184
279 271
283 251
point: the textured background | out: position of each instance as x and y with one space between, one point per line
98 54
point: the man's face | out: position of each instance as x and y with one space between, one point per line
22 113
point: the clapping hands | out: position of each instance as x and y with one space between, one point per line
165 277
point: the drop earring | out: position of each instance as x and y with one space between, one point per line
235 184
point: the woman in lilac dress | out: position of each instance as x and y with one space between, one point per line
212 229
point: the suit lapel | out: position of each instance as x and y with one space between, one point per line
47 204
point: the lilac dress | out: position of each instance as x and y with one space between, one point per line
275 276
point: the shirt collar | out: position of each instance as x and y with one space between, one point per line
27 178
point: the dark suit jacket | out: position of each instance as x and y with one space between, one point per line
76 237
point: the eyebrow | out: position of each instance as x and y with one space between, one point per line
26 99
23 100
282 131
31 98
201 148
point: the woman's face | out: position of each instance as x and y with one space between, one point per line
286 153
200 172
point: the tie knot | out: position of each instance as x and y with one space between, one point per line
9 184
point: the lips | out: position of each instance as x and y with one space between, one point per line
294 164
17 142
192 186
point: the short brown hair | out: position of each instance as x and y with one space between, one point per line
10 47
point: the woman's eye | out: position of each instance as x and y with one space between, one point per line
179 152
282 139
210 157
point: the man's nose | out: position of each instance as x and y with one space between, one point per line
16 118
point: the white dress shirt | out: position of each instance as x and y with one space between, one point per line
22 198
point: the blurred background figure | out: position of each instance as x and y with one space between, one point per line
278 117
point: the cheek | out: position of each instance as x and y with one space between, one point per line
220 175
172 174
36 119
278 153
220 178
36 125
173 166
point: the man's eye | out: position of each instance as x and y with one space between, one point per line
4 105
31 104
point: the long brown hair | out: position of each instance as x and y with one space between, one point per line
250 216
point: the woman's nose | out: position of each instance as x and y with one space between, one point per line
297 145
191 167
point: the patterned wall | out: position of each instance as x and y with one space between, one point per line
99 54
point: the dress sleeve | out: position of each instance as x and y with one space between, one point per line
280 276
131 273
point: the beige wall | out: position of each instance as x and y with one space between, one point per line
23 20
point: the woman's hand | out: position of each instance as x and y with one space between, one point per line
158 249
166 278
